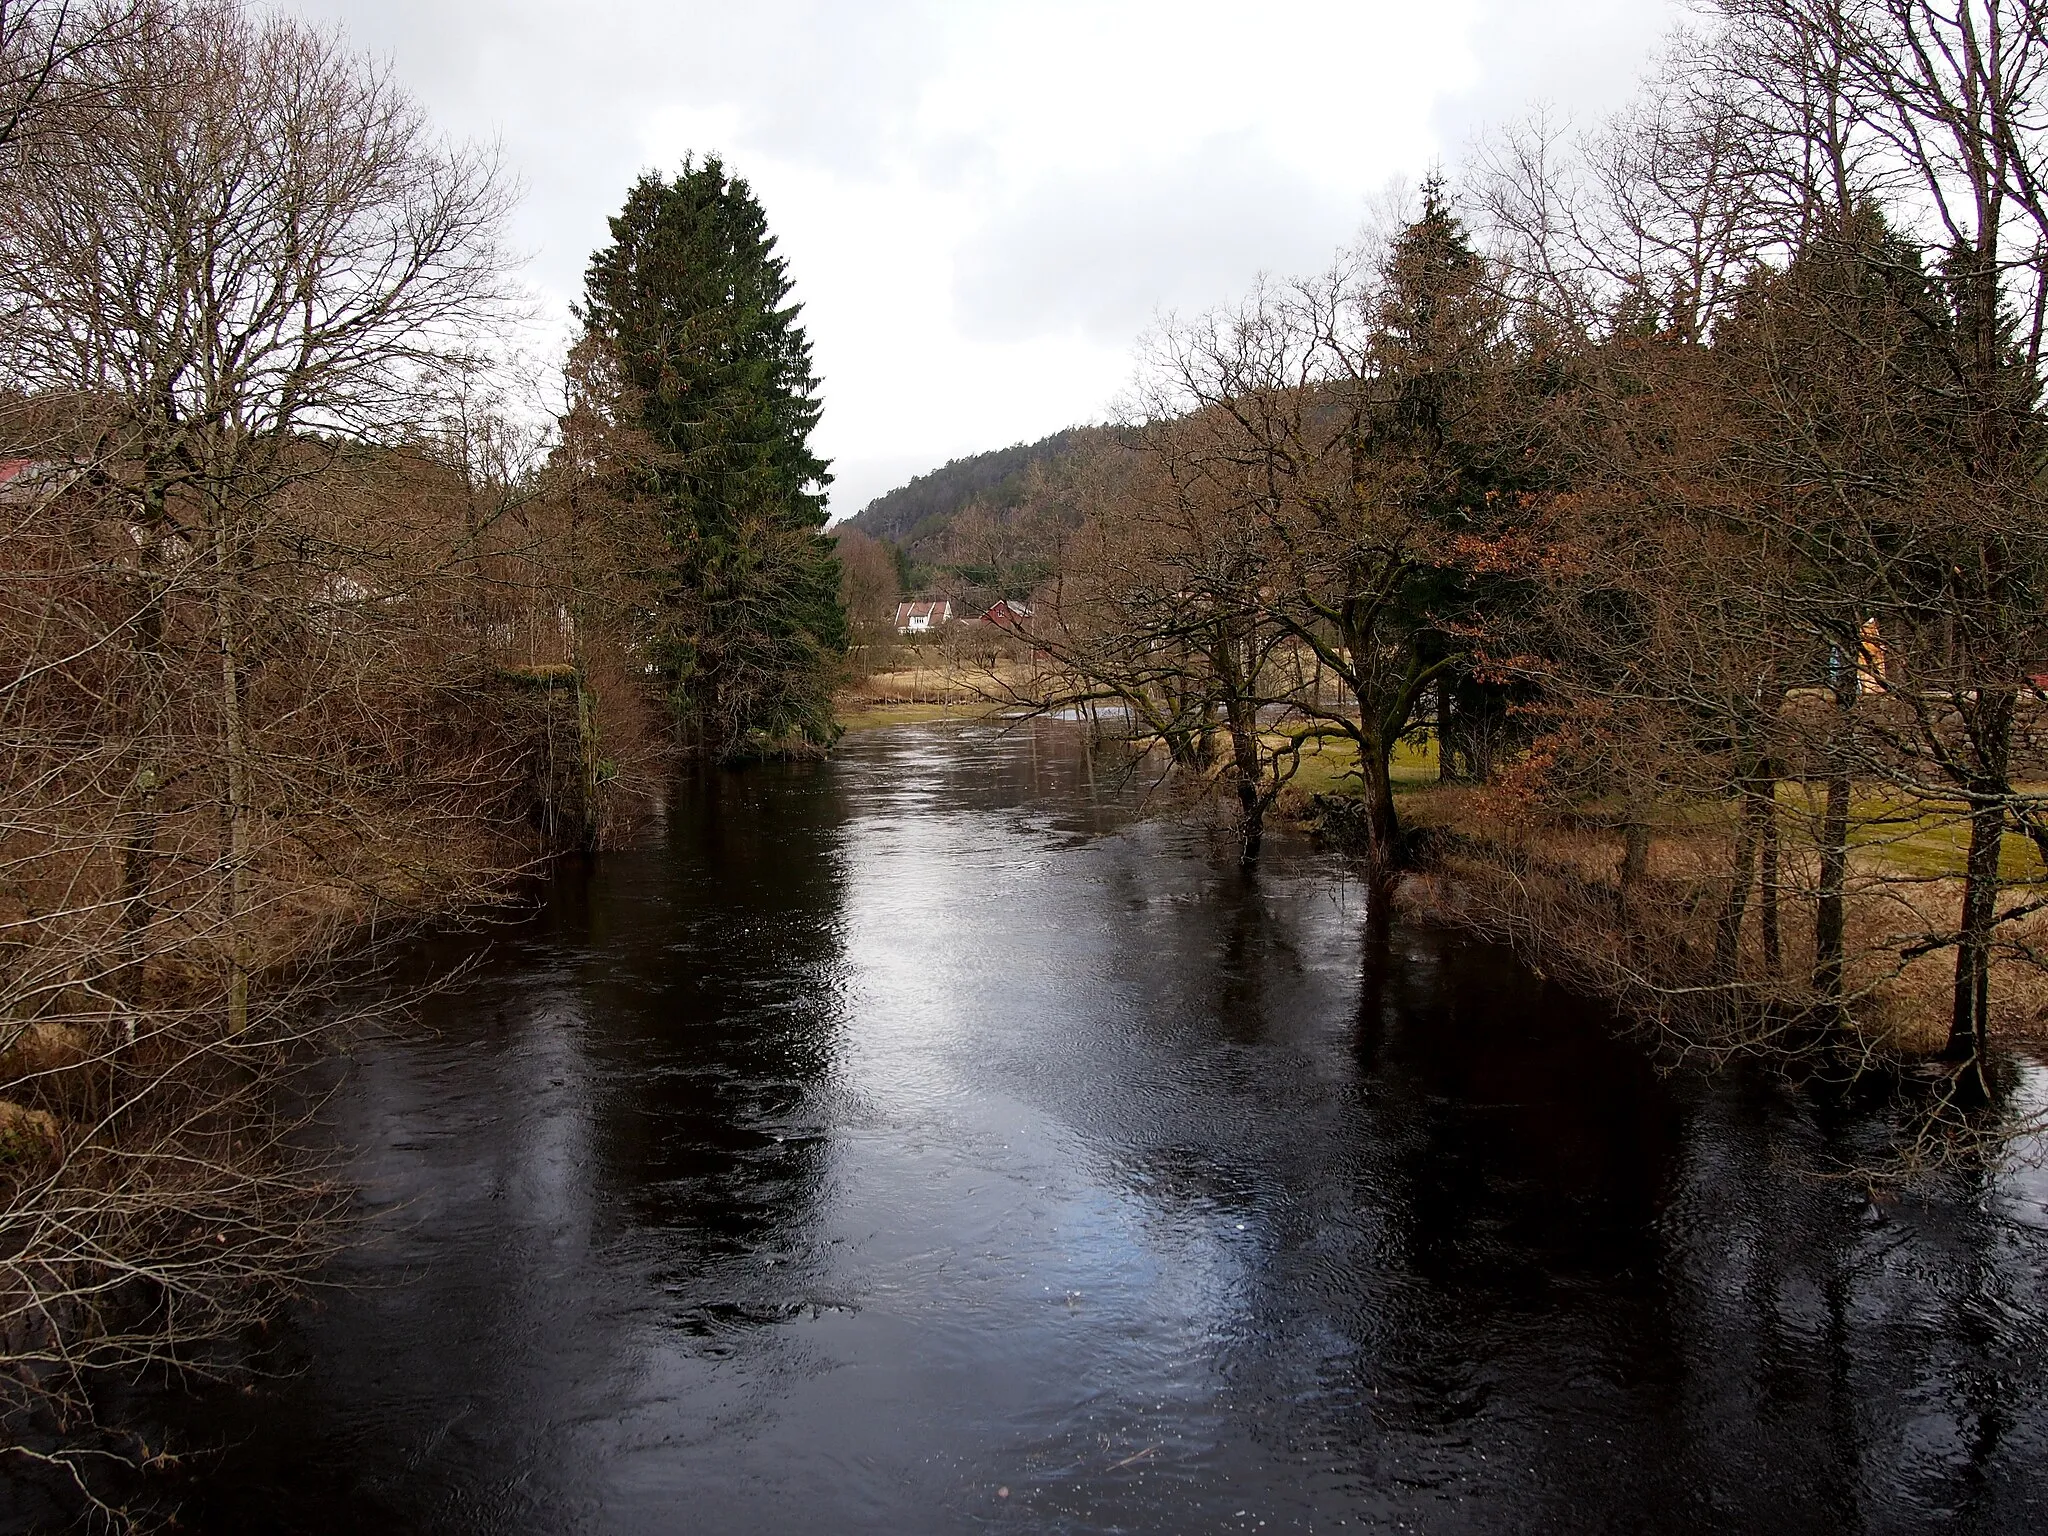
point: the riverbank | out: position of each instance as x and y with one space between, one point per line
1655 932
856 715
158 1201
1559 889
933 686
934 1137
1649 939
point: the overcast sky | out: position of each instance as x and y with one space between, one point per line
985 202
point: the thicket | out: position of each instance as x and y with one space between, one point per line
313 630
1682 479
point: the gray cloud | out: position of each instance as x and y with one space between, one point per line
1102 254
569 91
984 203
1582 58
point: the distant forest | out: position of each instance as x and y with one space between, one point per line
916 517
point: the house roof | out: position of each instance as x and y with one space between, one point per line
24 480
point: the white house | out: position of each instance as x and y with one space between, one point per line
917 618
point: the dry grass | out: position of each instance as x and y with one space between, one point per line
938 679
864 715
1550 882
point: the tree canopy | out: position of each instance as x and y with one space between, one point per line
693 302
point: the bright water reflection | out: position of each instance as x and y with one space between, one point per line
917 1143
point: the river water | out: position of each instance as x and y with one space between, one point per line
923 1142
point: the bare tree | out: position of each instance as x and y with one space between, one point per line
868 587
44 45
1932 111
255 238
293 637
1161 608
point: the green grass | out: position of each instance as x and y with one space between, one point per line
1414 763
1911 841
1330 766
1932 843
1908 839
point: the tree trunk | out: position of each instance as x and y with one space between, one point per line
1830 916
1969 1020
1728 930
586 746
1830 912
1200 748
1970 1015
1635 859
1767 892
235 776
1245 768
1382 822
143 819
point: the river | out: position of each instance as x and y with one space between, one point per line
924 1141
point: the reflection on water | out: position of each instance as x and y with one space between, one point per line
916 1142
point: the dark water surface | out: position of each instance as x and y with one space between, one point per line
917 1144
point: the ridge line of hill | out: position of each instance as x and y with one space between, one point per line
917 513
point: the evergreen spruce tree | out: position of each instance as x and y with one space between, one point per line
692 301
1452 376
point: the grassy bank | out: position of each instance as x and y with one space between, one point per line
867 715
1552 883
932 687
1330 767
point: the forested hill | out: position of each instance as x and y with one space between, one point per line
920 512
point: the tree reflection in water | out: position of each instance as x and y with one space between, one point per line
922 1124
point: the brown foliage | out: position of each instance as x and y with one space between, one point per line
301 647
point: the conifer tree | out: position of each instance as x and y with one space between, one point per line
1449 371
692 300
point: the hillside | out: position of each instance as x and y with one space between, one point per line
915 516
